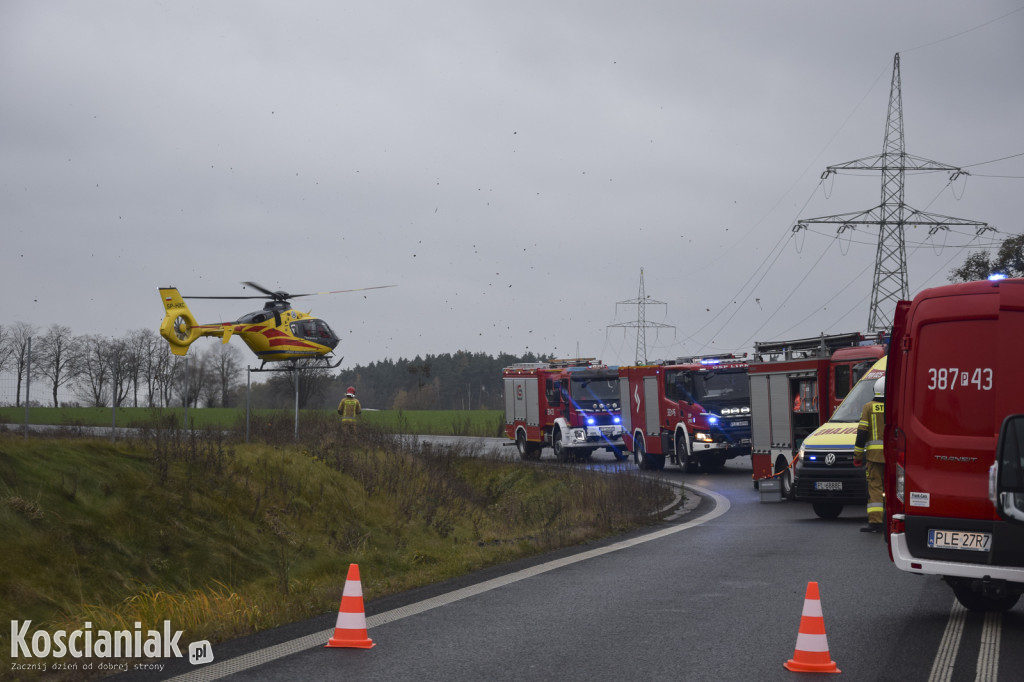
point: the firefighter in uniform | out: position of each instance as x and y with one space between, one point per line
349 408
869 447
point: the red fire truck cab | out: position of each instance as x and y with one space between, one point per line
695 412
954 396
569 405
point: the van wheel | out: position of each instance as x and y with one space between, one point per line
979 601
827 510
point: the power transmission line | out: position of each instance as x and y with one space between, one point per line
889 284
641 324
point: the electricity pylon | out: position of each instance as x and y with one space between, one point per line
892 215
641 302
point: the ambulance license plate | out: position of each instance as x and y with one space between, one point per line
828 485
959 539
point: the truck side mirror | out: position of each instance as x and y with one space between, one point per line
1006 475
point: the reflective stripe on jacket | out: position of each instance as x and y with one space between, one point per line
349 409
869 433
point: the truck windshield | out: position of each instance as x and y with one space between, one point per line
601 390
696 387
849 410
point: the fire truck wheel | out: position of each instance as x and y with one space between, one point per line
561 454
527 450
979 601
827 510
689 464
645 460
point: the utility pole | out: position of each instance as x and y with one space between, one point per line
641 325
892 215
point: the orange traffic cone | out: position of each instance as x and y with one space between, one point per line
811 653
350 630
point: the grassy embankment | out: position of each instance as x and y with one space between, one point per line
487 423
223 539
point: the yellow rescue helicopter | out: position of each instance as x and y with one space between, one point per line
275 333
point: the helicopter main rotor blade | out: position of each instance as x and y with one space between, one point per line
280 295
344 291
224 298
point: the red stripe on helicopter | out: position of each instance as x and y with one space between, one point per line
291 342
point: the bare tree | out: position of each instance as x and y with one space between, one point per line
117 355
6 349
226 368
189 376
160 378
314 380
57 358
139 361
20 337
93 380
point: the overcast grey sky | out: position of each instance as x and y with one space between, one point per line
511 166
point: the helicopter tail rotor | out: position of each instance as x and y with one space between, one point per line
179 326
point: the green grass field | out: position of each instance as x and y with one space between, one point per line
420 422
223 538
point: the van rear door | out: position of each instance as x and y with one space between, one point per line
962 374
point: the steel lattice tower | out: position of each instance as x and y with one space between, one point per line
892 215
641 302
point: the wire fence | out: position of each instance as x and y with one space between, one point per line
37 390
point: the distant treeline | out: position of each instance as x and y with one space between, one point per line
138 370
459 381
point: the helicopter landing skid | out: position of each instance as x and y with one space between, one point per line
293 364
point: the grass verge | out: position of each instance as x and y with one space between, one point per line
486 423
224 539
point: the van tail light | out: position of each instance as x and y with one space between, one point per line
896 481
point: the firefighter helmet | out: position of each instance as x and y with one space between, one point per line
880 388
350 391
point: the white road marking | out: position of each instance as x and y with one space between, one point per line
988 657
945 657
987 668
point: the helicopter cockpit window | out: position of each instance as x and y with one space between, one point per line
313 330
254 318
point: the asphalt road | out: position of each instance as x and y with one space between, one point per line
715 594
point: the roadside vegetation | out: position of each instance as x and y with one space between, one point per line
223 538
486 423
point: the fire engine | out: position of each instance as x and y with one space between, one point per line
953 444
570 405
693 411
795 386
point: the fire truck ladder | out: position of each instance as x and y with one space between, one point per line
814 347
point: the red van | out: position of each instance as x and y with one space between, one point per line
955 375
